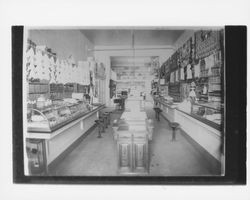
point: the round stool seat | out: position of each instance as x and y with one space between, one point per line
101 119
108 113
106 116
101 122
99 125
174 124
157 110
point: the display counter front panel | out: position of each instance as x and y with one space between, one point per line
62 141
206 136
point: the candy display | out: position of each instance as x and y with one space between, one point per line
52 81
55 115
208 112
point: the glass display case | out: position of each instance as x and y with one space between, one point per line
210 113
54 116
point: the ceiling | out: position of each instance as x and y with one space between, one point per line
117 61
123 37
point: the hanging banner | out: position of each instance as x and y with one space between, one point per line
206 42
185 53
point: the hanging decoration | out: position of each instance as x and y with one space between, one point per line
185 53
206 42
42 65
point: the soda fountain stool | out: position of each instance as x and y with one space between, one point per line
110 112
174 126
99 125
108 117
102 123
105 116
157 113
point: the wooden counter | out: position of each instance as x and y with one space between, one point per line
132 136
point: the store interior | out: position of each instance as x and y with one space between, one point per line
131 101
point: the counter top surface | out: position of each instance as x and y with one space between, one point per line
46 135
204 121
135 121
128 116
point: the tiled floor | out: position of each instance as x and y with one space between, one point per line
97 157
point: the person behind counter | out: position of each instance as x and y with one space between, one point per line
143 95
192 94
186 105
87 97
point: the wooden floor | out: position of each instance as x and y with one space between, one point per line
97 156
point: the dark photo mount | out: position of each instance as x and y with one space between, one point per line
235 122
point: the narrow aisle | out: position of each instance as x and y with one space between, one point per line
93 157
97 157
169 158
